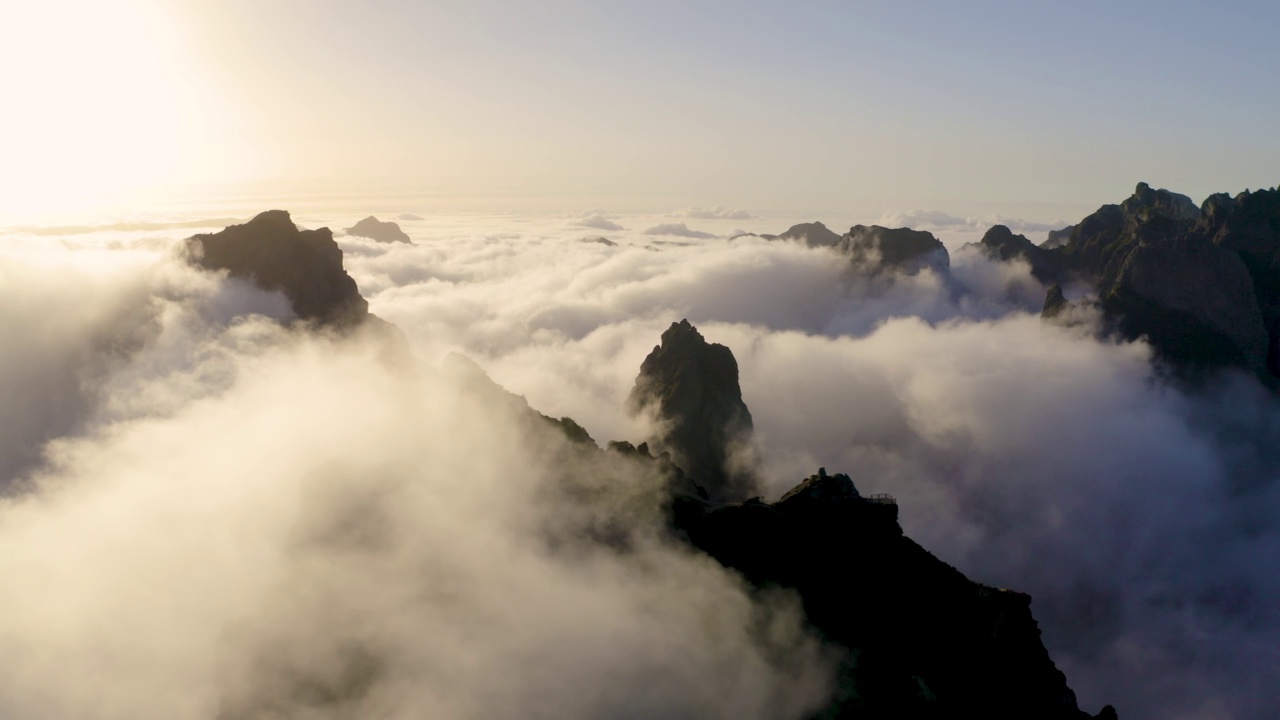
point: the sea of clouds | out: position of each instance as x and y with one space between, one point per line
188 528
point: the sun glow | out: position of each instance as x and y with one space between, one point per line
91 115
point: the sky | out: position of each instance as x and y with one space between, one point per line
145 400
1038 110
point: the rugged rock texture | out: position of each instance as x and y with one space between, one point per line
306 265
1202 285
1249 225
999 243
902 249
813 234
375 229
691 387
919 639
1194 302
873 248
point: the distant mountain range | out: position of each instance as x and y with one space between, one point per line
1200 284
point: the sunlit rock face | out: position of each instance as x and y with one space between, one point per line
375 229
691 387
1203 286
1249 225
305 265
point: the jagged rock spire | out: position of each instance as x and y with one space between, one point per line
691 387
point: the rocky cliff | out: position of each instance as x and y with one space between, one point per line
874 248
1000 243
902 249
691 389
918 639
1202 285
305 265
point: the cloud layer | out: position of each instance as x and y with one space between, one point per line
244 520
1139 517
937 220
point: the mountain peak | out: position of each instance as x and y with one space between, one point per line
813 234
692 388
375 229
305 265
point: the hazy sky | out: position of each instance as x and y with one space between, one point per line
1038 109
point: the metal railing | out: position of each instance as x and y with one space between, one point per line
882 499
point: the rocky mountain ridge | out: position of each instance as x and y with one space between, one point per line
1200 284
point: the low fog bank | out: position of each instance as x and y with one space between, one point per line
235 520
1140 517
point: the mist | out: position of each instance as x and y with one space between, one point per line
213 515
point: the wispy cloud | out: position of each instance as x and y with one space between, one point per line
939 220
598 222
715 213
678 230
1140 517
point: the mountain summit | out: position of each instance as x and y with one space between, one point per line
382 231
691 387
306 265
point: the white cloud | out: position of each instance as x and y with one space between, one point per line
1140 518
599 222
678 230
935 220
246 519
716 213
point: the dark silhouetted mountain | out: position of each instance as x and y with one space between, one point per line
375 229
920 640
1202 287
599 240
1249 225
813 234
691 387
306 265
999 243
903 249
873 248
